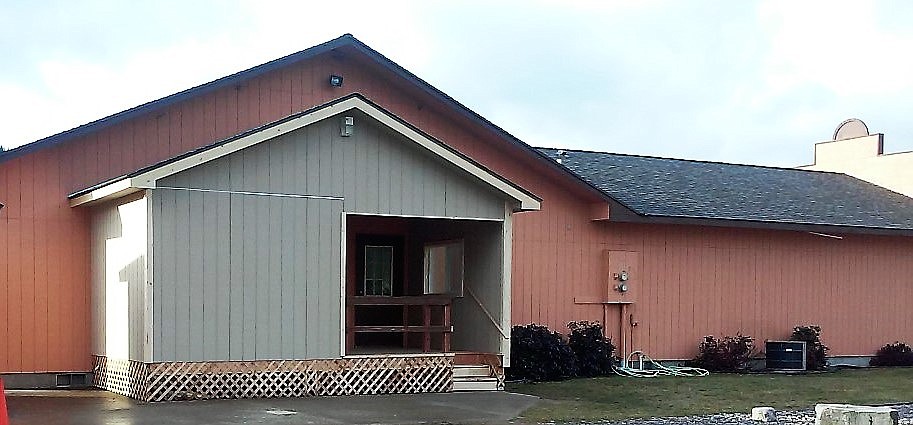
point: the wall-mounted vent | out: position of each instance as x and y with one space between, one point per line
347 126
786 355
72 380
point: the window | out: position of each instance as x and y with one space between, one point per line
378 270
444 268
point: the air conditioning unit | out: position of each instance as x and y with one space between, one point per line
786 355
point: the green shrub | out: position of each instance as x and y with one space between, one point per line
896 354
538 354
815 350
727 354
591 348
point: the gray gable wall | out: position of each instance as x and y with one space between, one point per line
242 271
375 170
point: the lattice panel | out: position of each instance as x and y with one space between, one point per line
125 377
498 372
493 361
298 378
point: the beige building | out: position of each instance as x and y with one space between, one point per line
857 152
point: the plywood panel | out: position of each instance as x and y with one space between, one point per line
329 161
262 276
118 244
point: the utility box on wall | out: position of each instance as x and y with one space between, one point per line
623 281
785 355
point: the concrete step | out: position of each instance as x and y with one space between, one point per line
460 371
475 384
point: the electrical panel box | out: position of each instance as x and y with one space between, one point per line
786 355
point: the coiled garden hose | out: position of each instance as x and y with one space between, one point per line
653 368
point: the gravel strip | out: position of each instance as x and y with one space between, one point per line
791 417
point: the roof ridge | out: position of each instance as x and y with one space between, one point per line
345 39
700 161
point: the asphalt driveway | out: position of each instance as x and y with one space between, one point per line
101 407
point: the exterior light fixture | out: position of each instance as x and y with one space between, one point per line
1 205
336 80
347 127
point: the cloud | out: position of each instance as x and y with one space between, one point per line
838 45
754 82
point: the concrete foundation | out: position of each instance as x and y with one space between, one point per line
47 381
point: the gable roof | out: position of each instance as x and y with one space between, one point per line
146 178
346 40
685 189
177 97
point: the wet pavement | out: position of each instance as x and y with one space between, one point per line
104 408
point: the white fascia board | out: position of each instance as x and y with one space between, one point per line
148 179
113 190
527 202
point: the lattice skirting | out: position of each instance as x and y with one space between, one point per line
497 371
275 378
125 377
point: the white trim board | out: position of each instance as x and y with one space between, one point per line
149 178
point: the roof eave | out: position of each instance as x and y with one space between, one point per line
640 217
473 116
111 190
146 178
147 107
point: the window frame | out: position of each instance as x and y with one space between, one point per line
371 277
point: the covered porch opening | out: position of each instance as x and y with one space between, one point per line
424 285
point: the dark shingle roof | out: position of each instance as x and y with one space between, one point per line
663 187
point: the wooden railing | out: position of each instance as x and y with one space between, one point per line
428 327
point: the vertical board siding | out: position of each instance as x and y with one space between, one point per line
38 220
316 160
700 281
45 279
281 254
118 244
238 289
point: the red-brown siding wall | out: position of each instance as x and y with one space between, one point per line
695 281
558 252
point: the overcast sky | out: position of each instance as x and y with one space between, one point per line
734 81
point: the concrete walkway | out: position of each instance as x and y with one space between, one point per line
100 407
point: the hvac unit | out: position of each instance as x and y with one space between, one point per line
786 355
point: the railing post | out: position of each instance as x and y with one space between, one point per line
447 324
426 342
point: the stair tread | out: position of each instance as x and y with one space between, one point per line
475 386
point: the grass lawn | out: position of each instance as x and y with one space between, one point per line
616 397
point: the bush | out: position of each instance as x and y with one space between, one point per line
591 348
815 351
728 354
538 354
896 354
